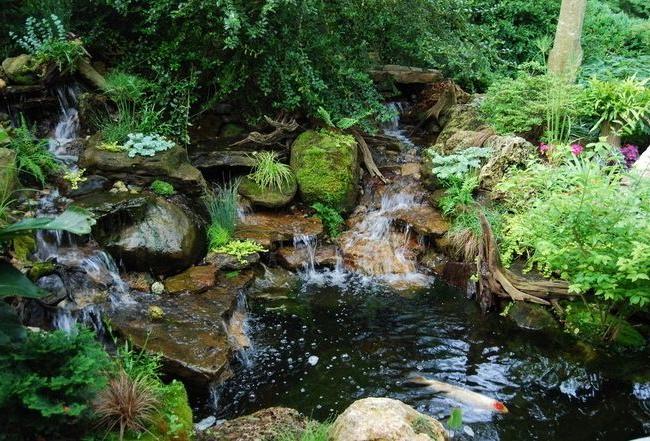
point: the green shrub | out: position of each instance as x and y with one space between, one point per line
594 233
269 172
332 219
48 382
146 145
221 204
457 164
240 249
593 323
162 188
32 156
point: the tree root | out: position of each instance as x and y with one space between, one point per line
281 129
367 158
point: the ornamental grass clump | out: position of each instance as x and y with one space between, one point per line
269 172
221 204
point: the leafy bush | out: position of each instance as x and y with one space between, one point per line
48 382
146 145
459 194
457 164
32 156
623 104
592 322
240 249
162 188
594 233
331 219
46 39
269 172
222 207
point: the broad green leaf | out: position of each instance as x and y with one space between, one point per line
13 283
75 220
455 420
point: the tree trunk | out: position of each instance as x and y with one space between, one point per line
609 131
566 56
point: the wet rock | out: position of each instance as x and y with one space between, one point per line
268 197
227 262
193 280
173 401
270 228
205 423
262 425
191 337
507 151
236 330
326 168
433 261
385 419
171 165
218 152
138 281
157 288
460 118
92 184
531 316
146 233
22 69
275 284
424 220
410 169
293 258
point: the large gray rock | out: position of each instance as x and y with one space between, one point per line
171 165
642 166
268 197
507 151
146 233
385 419
21 69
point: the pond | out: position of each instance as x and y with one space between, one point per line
328 344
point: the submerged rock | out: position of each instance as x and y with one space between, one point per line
385 419
293 258
268 229
266 424
327 169
191 335
171 165
531 316
22 69
146 233
268 197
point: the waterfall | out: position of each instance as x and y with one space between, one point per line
67 129
393 129
238 329
309 244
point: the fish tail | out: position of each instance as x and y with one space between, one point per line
416 380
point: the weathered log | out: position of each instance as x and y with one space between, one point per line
496 280
281 129
367 157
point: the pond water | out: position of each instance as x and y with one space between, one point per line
368 339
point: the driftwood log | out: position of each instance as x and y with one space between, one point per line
280 129
495 280
367 157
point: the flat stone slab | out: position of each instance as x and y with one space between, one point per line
194 280
406 74
267 228
218 152
191 333
425 220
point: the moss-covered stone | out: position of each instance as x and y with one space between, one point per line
173 422
22 69
268 197
326 168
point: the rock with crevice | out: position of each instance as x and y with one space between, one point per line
170 165
266 424
506 152
191 335
269 229
385 419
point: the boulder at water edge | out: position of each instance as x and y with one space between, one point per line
326 167
385 419
145 233
22 69
268 197
266 424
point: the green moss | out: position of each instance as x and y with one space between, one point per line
162 188
173 422
268 197
325 164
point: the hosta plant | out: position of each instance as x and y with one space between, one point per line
146 145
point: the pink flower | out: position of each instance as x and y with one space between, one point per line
544 148
576 149
630 154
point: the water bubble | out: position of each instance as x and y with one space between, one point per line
313 360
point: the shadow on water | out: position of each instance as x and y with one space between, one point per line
323 347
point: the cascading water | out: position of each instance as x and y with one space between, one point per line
67 129
393 127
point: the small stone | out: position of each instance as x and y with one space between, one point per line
205 423
157 288
156 313
313 360
119 187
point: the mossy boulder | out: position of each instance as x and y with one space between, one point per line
22 69
268 197
173 422
326 168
